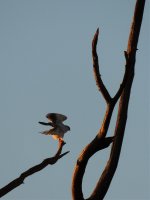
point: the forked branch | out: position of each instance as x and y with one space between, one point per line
97 74
102 88
109 171
99 142
20 180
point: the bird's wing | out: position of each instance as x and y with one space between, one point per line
49 132
47 124
56 118
45 132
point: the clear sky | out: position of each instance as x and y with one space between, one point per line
46 66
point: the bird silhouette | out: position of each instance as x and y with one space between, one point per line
59 129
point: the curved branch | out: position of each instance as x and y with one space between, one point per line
108 173
126 74
100 141
95 146
97 75
20 180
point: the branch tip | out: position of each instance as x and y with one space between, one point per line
95 39
97 31
126 55
63 154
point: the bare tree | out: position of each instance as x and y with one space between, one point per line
100 141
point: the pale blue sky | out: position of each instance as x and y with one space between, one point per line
46 66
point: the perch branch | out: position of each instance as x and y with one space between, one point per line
20 180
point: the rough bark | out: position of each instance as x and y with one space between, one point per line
20 180
124 91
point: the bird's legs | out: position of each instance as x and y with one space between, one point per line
61 141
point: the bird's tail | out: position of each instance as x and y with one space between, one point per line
45 132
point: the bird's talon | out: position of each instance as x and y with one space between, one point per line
61 141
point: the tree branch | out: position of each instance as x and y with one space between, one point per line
100 141
97 75
108 173
122 85
86 154
20 180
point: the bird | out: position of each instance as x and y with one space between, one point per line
59 129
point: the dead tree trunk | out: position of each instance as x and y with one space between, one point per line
101 141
